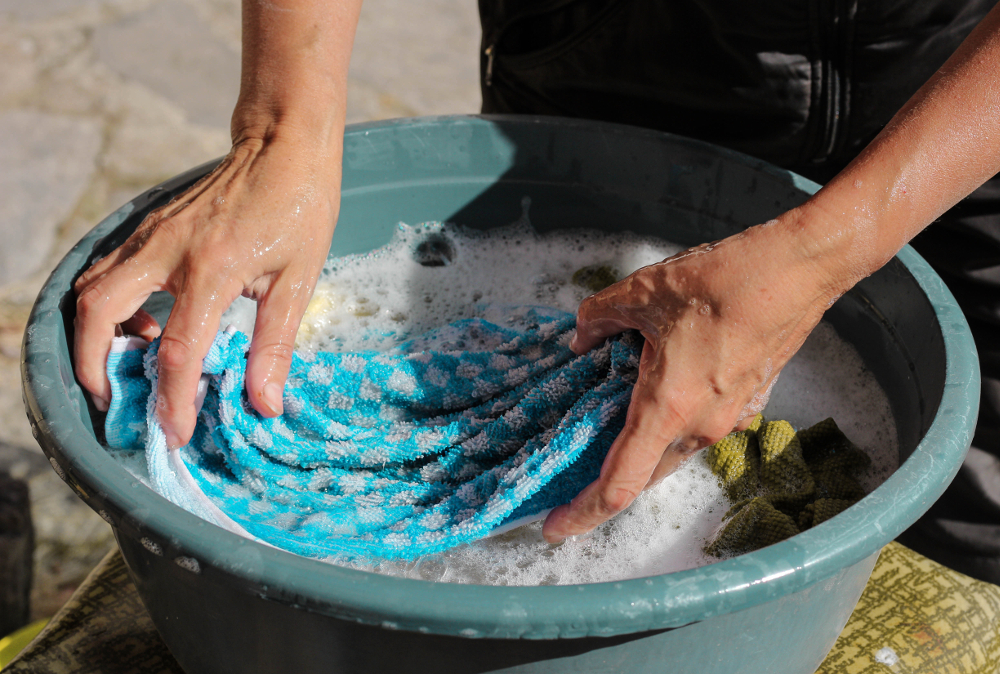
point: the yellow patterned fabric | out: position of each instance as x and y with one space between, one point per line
918 617
914 617
782 482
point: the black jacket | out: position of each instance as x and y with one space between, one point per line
804 84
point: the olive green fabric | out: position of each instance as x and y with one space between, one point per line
782 482
595 278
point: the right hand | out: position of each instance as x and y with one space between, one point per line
719 321
259 225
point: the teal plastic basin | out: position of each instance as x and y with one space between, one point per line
225 604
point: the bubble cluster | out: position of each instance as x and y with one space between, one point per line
434 273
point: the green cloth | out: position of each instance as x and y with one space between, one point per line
595 278
782 482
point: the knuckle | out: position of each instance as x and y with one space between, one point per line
713 432
671 413
172 227
586 309
612 499
643 284
175 354
80 284
691 445
89 303
217 265
276 351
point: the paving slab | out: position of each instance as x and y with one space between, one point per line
46 164
168 48
423 55
45 9
153 139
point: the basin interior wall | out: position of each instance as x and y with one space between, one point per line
226 604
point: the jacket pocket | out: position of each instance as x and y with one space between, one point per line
543 32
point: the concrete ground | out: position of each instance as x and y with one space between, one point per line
102 99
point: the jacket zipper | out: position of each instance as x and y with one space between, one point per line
838 15
490 51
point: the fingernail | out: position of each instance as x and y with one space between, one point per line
173 442
100 403
554 540
272 397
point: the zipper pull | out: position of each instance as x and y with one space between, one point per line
489 65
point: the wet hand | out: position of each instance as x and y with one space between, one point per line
720 321
259 225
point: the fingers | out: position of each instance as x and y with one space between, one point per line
597 319
143 325
109 293
279 313
650 427
112 299
190 330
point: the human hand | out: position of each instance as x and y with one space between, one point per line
259 225
720 321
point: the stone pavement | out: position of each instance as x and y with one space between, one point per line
102 99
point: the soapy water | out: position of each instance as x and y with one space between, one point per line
433 273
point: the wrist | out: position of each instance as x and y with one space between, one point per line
310 121
294 71
836 240
796 261
281 163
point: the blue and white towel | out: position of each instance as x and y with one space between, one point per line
388 454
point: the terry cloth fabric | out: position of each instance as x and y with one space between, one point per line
389 454
782 482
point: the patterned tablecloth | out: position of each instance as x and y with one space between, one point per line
915 617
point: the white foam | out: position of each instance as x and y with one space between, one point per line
377 300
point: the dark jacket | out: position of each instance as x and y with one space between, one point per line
805 84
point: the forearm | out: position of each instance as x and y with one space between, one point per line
294 80
937 149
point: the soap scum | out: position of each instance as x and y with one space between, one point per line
895 106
